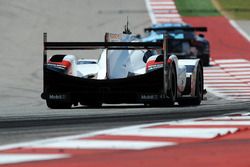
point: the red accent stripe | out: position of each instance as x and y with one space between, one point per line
65 63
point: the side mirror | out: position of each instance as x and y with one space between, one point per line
201 35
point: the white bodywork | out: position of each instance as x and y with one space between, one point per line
194 64
185 68
181 73
124 63
112 64
102 64
121 64
73 68
87 67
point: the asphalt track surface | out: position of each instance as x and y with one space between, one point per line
245 25
23 115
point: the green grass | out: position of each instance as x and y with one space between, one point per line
236 9
197 8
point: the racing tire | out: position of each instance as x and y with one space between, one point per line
58 104
172 92
92 103
199 86
206 60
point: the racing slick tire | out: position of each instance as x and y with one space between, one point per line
199 86
92 103
206 60
172 92
58 104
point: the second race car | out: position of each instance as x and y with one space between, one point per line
196 46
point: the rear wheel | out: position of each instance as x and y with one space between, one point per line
172 92
199 86
198 90
206 60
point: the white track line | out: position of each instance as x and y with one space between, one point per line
205 133
102 132
243 97
230 79
207 81
150 11
78 141
163 11
211 67
163 7
239 94
231 118
216 74
234 123
104 144
227 84
161 3
73 137
168 20
214 71
218 78
245 80
241 73
8 158
237 69
240 30
232 90
234 65
242 76
166 15
221 61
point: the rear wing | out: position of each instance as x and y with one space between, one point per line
197 29
101 45
97 45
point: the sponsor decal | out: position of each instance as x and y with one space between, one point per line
113 37
152 96
57 97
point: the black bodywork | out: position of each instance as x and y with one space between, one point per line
59 86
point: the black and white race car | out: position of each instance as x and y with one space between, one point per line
127 71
